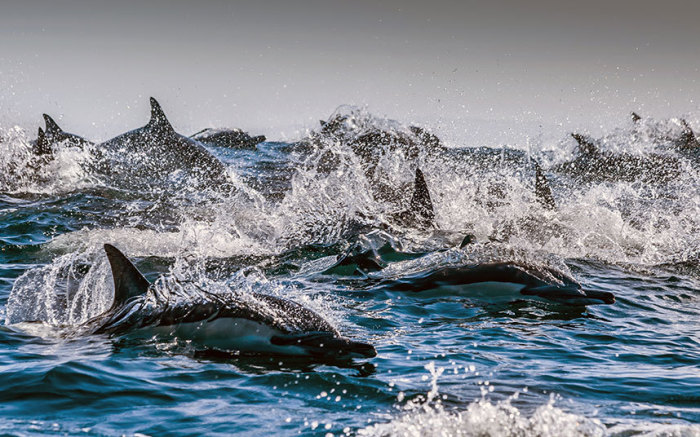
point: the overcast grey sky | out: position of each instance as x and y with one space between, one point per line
269 65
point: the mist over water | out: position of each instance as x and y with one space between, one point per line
480 98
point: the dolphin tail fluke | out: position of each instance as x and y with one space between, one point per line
128 281
158 118
52 127
585 144
421 204
543 192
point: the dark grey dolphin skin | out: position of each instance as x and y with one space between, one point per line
156 152
53 134
420 212
527 283
687 143
370 144
594 165
543 192
231 138
261 325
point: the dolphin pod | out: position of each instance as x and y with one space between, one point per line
591 164
254 324
262 324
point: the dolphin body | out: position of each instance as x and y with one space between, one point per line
686 143
156 153
593 165
260 325
231 138
504 281
152 155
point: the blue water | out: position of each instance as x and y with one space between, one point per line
447 364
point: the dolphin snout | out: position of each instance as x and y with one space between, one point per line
364 350
605 296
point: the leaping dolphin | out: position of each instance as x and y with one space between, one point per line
594 165
506 280
156 152
257 324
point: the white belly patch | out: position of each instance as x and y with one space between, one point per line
229 334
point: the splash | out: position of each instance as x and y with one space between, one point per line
69 291
77 287
428 416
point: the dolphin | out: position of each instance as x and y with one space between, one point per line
231 138
594 165
52 135
156 152
686 142
504 280
256 324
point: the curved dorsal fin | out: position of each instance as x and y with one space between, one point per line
128 281
585 144
635 117
158 118
51 126
421 204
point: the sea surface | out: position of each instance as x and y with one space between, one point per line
448 363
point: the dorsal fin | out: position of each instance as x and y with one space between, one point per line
585 144
543 192
51 126
421 204
635 117
42 146
128 281
688 139
158 118
467 240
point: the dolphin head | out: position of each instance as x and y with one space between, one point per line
326 345
571 295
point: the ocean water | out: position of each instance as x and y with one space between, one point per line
448 363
